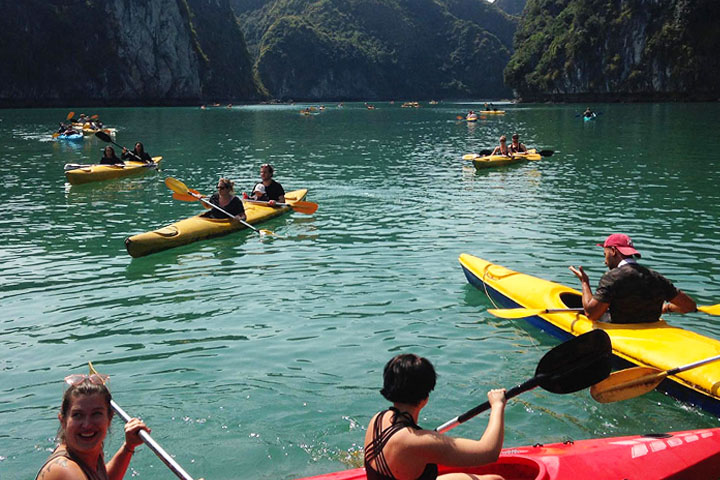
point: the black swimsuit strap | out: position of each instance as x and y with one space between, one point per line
374 450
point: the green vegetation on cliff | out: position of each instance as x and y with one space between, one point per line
617 49
364 49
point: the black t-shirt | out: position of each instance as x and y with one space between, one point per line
272 192
110 161
635 293
235 207
132 155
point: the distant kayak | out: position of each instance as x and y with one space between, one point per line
73 137
488 161
472 118
692 454
78 174
590 118
199 227
492 112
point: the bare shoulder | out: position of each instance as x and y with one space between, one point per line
61 468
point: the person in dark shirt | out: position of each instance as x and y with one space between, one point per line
397 448
629 292
225 198
268 190
109 157
138 154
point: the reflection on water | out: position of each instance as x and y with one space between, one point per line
269 352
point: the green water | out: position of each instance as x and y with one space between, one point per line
262 358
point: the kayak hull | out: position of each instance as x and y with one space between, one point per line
656 345
490 161
198 228
492 112
74 137
98 173
687 455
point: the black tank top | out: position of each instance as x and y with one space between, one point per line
374 450
99 474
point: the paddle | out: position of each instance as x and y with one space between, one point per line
528 312
571 366
149 441
531 312
179 187
68 117
106 138
633 382
299 206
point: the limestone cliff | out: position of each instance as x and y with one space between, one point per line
617 50
64 52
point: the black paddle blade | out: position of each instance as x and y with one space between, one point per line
546 153
103 136
576 364
485 152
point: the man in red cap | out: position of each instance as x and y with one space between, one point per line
629 292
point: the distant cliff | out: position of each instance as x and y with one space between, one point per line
375 49
513 7
617 50
63 52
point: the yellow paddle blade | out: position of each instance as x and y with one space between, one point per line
70 115
710 309
184 198
515 312
91 369
176 185
470 156
626 384
56 134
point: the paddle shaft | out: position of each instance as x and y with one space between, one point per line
106 138
513 392
154 446
212 205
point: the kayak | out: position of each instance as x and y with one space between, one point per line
655 345
73 137
591 117
471 118
198 227
687 455
489 161
92 131
77 174
492 112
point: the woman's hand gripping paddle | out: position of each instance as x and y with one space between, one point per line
180 188
149 441
571 366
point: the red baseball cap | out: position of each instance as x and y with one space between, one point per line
622 242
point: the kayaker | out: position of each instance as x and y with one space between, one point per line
138 154
85 417
629 292
396 448
502 149
109 157
225 198
588 113
271 191
516 146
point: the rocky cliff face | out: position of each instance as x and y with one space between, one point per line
378 49
617 50
121 52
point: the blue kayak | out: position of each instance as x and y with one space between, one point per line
591 117
73 137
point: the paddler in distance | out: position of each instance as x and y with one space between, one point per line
629 292
396 448
225 198
502 149
267 189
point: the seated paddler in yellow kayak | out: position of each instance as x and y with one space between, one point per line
225 198
502 149
109 157
629 292
267 189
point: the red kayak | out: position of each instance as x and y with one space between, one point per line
690 455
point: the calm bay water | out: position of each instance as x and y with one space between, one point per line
262 358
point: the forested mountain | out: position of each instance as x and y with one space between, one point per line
617 50
59 52
513 7
375 49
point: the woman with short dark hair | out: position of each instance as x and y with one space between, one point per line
396 448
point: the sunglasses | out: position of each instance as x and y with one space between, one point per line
222 187
78 378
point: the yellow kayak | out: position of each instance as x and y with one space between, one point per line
656 345
492 112
97 173
198 227
489 161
